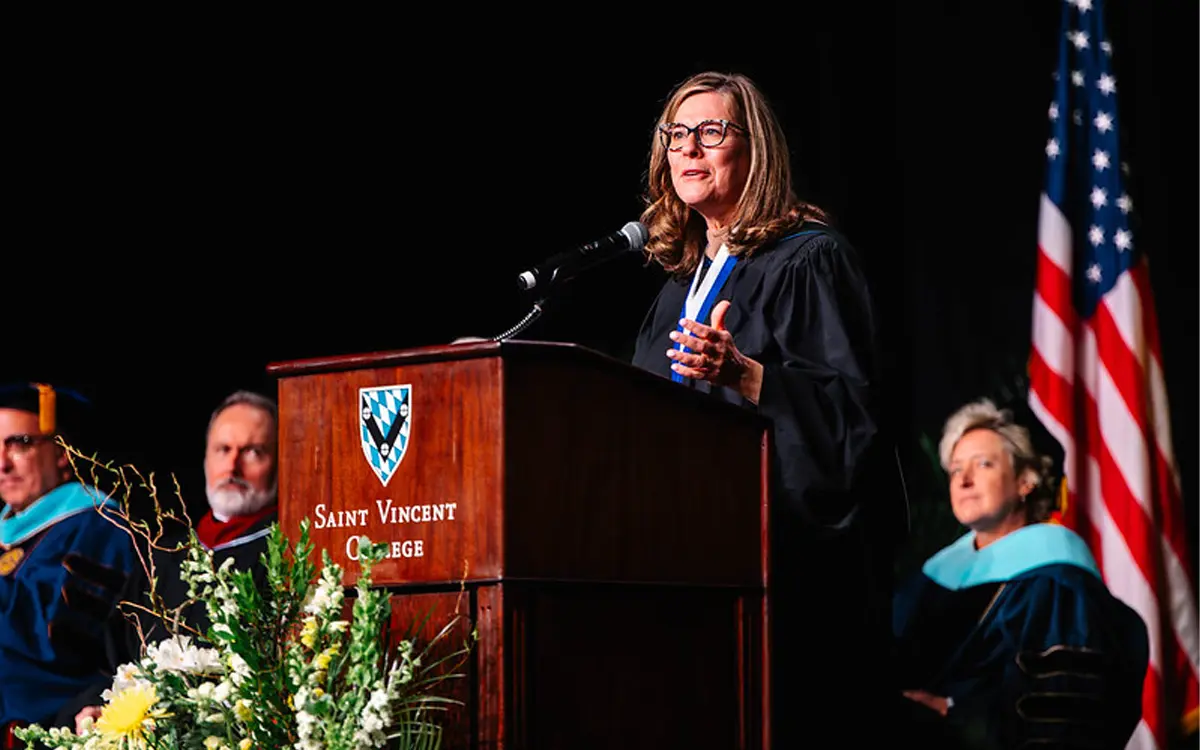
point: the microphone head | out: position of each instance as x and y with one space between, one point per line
637 234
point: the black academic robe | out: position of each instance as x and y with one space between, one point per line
803 309
1026 640
245 551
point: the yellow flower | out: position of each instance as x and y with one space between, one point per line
125 717
244 744
244 711
308 634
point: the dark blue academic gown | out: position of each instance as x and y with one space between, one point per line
1026 640
62 565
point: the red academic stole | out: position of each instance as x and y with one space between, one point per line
214 533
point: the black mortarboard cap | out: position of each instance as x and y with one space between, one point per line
59 410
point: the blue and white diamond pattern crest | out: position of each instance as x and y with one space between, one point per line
385 417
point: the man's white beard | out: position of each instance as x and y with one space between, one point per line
235 497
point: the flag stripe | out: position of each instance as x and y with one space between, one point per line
1152 701
1120 573
1135 529
1122 309
1094 536
1181 608
1055 410
1110 485
1055 293
1142 737
1053 342
1158 387
1054 397
1117 430
1181 605
1054 236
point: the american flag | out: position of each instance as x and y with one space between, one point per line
1096 379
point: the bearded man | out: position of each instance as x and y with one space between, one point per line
240 463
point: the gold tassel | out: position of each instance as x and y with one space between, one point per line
1191 722
46 410
1059 514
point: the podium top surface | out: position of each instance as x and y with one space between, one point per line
522 350
434 353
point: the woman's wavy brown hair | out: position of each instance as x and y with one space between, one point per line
768 207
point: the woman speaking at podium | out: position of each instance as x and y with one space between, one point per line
768 308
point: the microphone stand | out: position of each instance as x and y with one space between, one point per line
539 307
632 235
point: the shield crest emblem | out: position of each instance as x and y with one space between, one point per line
385 421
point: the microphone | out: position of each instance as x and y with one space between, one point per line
631 238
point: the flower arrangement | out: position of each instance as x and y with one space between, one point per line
279 667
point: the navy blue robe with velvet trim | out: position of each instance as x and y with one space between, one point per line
1026 640
55 600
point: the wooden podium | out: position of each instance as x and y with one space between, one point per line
603 529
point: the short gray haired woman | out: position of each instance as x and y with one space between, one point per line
987 431
1008 635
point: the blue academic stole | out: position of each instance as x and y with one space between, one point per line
959 565
700 298
59 503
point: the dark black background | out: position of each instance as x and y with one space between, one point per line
192 199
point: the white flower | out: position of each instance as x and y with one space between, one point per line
305 723
378 701
365 740
238 668
375 717
168 655
127 676
202 693
177 654
326 599
372 723
222 691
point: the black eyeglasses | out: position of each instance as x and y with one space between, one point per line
19 445
709 133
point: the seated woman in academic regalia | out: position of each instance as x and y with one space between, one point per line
1009 637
